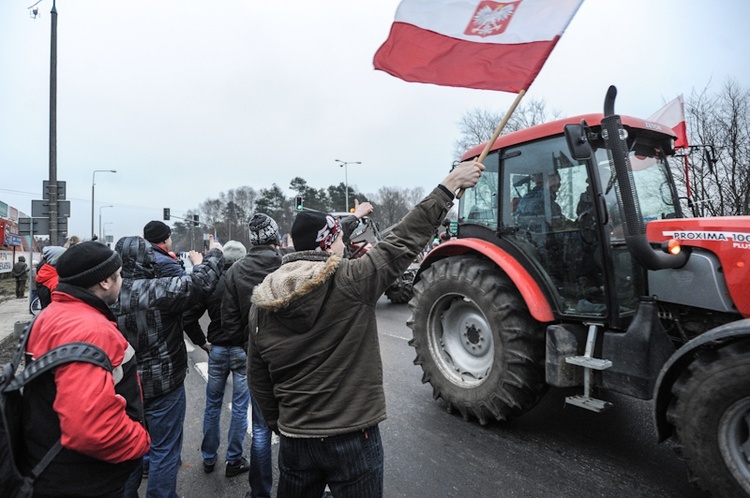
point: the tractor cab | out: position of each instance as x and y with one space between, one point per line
560 216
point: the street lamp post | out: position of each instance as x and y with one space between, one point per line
100 218
344 165
93 183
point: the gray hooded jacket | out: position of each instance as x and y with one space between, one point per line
149 312
314 357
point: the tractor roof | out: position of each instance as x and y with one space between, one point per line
556 128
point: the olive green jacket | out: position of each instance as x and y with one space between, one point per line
314 357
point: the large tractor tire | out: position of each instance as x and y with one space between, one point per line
711 414
475 340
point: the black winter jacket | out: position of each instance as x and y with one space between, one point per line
240 281
149 312
212 304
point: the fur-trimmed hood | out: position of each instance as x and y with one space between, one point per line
297 290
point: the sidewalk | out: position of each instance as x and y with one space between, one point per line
12 311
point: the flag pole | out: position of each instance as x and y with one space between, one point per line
498 130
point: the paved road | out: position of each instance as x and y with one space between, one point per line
553 451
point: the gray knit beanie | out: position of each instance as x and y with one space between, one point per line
233 251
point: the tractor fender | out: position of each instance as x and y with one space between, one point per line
535 299
680 360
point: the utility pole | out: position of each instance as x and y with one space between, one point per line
53 232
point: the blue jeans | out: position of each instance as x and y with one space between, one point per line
351 464
261 461
133 482
221 361
165 417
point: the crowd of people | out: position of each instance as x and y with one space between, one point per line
295 328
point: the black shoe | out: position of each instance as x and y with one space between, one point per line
238 467
208 467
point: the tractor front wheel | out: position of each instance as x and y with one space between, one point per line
475 340
711 414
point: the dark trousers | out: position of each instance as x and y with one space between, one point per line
351 464
20 287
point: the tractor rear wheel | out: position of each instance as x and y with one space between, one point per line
401 291
475 340
711 415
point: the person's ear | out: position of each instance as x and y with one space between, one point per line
106 284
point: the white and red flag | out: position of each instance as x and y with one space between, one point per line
474 43
673 115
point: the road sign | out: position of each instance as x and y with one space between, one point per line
40 208
60 190
41 225
12 240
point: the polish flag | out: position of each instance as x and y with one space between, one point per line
474 43
673 115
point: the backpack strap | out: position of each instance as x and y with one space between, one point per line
61 355
65 353
48 457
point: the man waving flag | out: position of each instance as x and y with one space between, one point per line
474 43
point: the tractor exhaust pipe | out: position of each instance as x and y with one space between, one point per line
635 233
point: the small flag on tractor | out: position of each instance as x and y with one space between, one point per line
673 115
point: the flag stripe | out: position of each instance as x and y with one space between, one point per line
419 55
532 20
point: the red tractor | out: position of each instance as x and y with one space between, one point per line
574 266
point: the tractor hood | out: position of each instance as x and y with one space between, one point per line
727 237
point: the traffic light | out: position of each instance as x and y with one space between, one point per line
166 214
195 220
299 203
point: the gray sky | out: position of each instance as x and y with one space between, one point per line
187 99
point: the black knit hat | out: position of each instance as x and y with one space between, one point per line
314 230
87 263
156 231
263 230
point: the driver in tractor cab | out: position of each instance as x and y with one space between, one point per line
540 215
534 203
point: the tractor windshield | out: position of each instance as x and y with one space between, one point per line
653 186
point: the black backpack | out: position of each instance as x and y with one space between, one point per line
14 483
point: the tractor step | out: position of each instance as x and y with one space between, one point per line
588 403
589 362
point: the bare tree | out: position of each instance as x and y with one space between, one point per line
413 196
211 211
718 166
245 198
478 125
390 205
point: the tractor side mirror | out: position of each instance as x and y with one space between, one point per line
578 144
